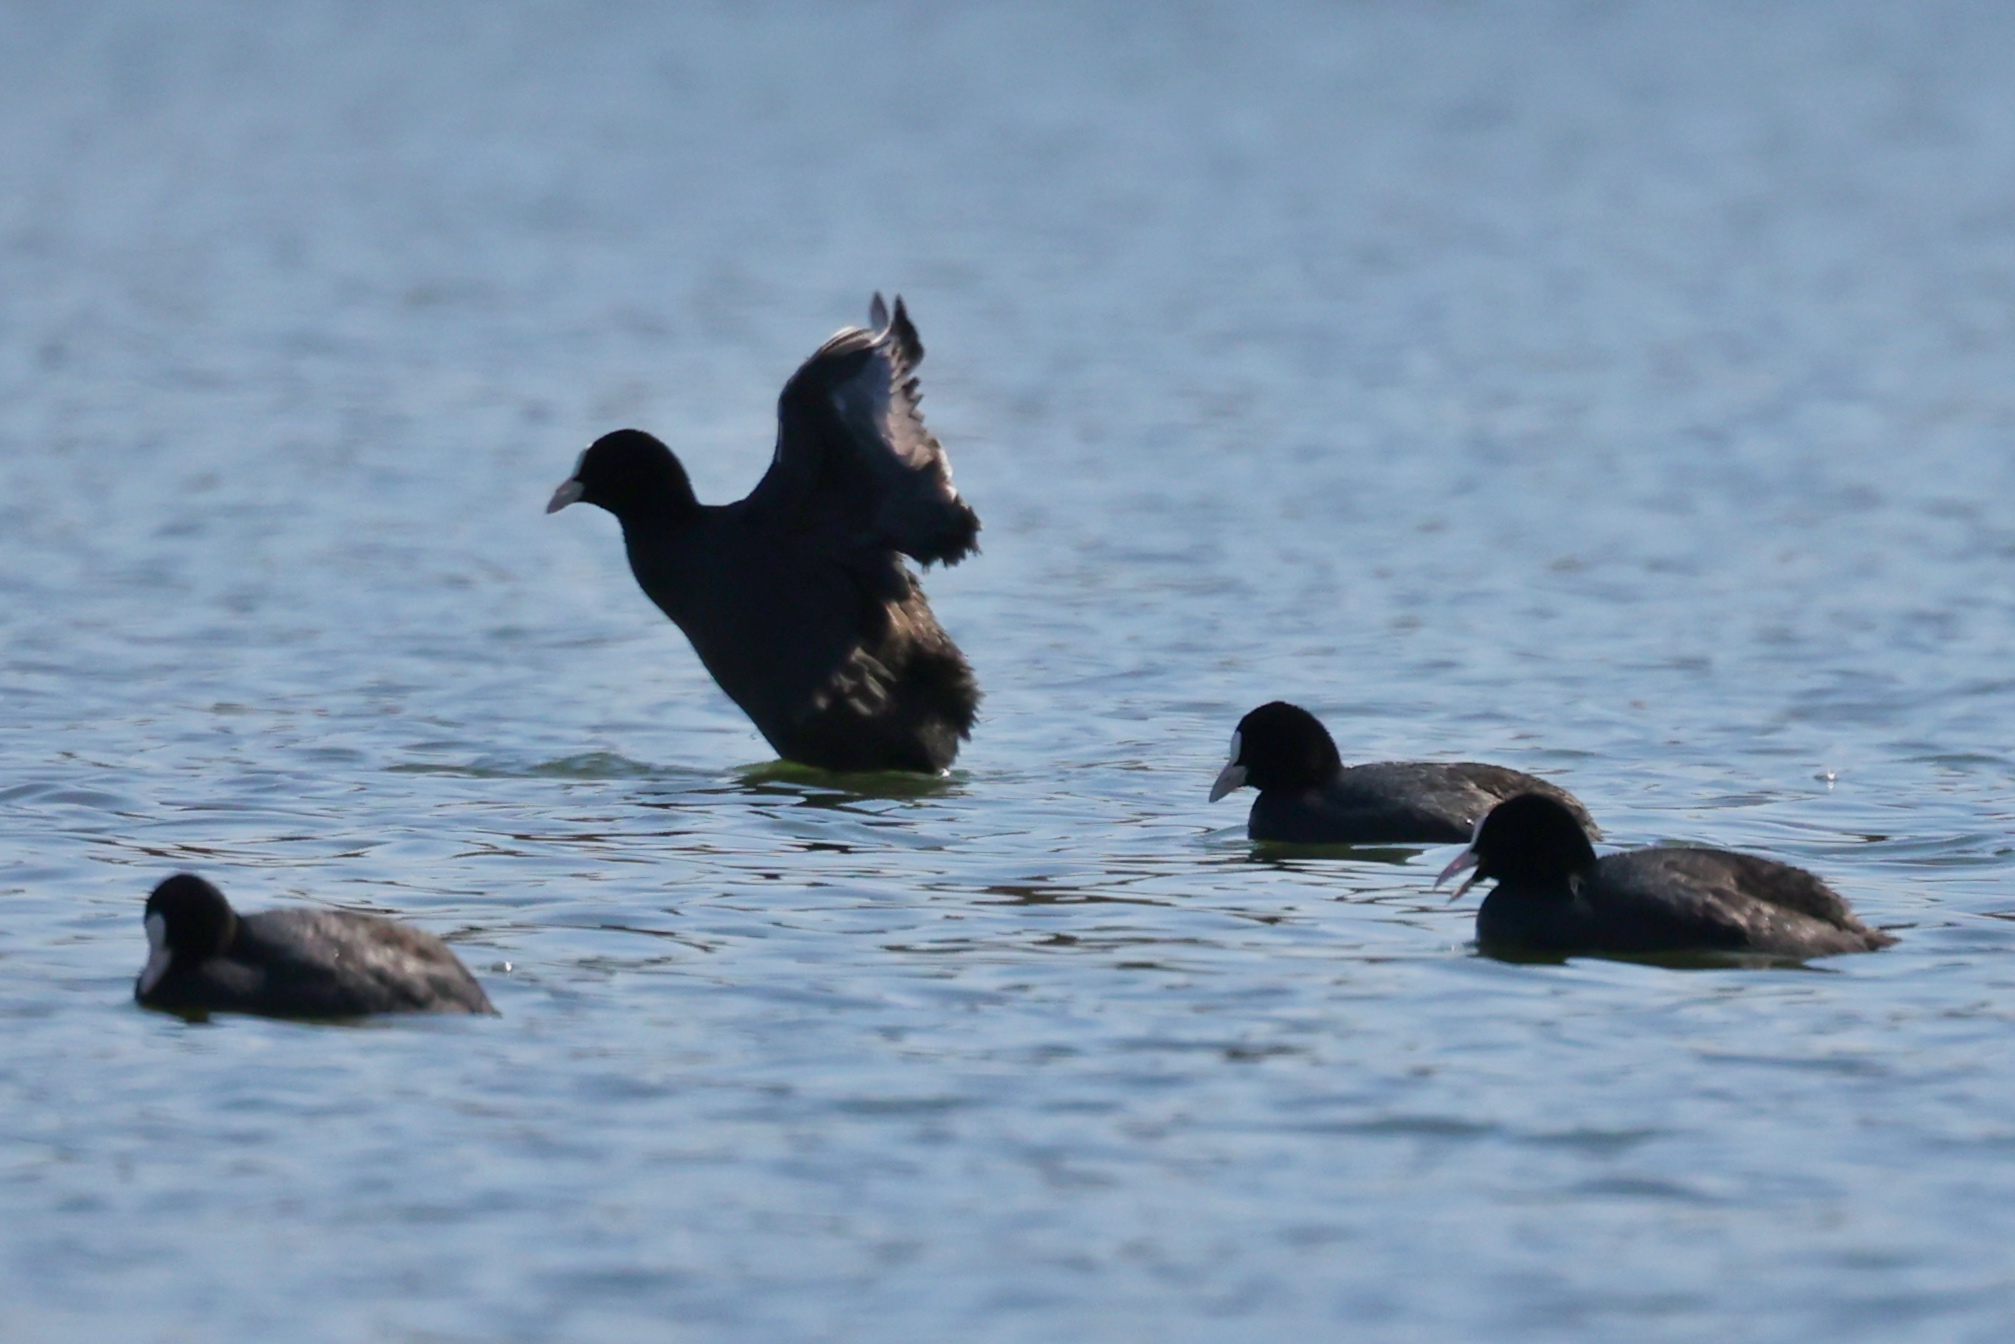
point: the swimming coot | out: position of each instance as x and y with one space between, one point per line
1554 895
1308 796
204 957
797 599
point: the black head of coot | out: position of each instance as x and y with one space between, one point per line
631 474
1278 746
189 919
1529 840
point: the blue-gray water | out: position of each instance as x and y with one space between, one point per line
1622 392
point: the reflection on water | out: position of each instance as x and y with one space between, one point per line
1621 394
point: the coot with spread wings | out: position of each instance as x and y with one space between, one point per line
797 598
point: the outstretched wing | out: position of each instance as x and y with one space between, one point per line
854 467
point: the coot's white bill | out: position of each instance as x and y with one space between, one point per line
1232 777
568 493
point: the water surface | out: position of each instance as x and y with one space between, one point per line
1620 392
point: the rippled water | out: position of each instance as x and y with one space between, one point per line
1622 392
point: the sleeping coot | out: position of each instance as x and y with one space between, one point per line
204 957
797 599
1308 796
1554 895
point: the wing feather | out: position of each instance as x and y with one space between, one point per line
855 468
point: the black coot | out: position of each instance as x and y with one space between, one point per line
1553 895
797 599
204 957
1308 796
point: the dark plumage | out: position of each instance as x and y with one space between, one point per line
1308 796
204 957
1554 895
797 599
